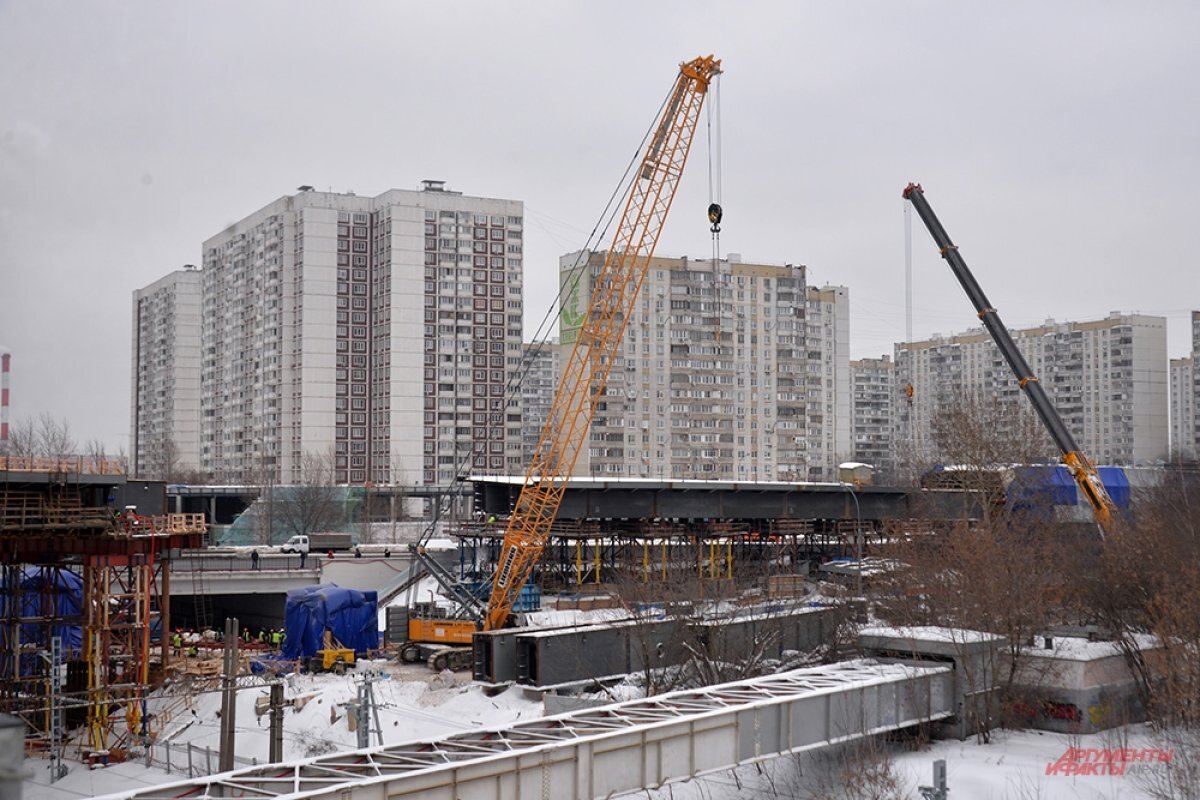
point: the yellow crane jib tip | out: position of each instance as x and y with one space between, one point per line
701 70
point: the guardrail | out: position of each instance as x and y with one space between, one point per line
78 465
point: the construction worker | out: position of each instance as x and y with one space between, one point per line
276 638
177 642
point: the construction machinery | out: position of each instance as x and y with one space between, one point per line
1081 469
585 374
332 658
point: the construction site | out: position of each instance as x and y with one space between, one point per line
83 602
665 629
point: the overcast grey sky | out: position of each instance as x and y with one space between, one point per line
1058 141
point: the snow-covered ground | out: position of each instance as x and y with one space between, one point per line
414 704
1015 765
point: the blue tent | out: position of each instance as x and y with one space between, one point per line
351 615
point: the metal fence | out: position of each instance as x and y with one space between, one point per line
189 760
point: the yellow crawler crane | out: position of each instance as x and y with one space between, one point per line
615 290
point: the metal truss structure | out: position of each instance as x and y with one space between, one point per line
605 751
76 569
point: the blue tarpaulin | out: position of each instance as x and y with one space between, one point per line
350 614
1117 484
49 592
1037 489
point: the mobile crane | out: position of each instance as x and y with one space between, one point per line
1081 469
585 374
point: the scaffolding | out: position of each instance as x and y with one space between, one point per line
96 579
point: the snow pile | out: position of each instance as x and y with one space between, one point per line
409 709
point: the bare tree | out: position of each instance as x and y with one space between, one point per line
43 436
972 430
1003 573
1002 576
54 437
313 505
22 440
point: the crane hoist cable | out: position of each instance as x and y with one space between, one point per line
597 344
715 212
600 230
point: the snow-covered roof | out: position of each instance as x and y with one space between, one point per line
1076 648
930 633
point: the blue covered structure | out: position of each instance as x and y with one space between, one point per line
47 593
52 595
350 614
1037 490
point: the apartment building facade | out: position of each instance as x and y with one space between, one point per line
165 392
1195 382
1107 378
1183 409
375 332
541 371
714 379
829 414
873 395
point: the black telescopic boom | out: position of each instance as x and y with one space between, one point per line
991 320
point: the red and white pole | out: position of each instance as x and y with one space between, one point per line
4 365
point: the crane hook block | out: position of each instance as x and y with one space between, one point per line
714 216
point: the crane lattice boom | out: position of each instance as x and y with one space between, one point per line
615 289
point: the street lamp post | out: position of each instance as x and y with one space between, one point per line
858 538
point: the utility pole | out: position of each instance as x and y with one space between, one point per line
276 750
58 680
366 712
228 695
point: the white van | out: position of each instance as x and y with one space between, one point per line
296 544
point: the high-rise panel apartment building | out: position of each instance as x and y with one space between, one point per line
829 415
714 378
376 332
540 374
873 389
1195 382
1183 409
165 402
1107 378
